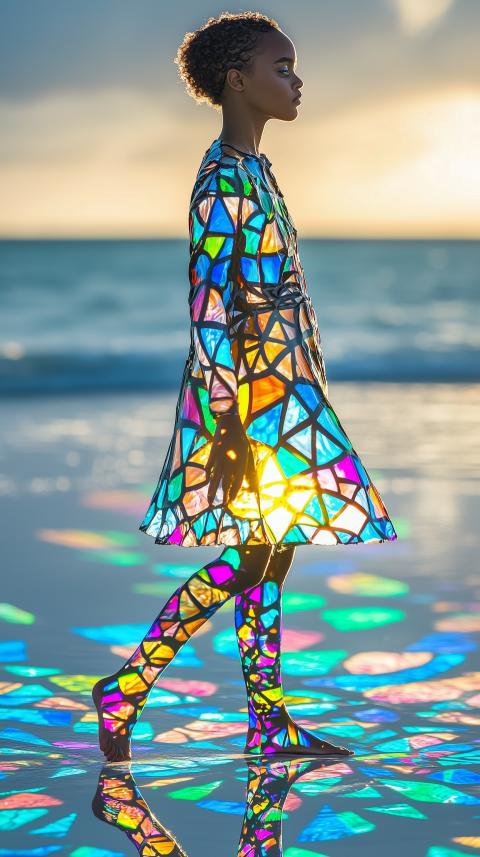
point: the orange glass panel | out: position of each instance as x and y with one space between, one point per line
194 475
231 204
288 315
265 391
263 319
285 367
132 683
277 332
205 207
272 349
301 364
261 366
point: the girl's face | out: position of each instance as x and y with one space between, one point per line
273 87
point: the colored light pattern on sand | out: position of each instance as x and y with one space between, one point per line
12 734
367 585
12 819
331 825
413 692
457 776
40 718
43 851
402 809
57 829
376 715
367 792
361 683
75 683
33 672
311 663
471 841
375 663
192 688
316 787
61 703
28 800
256 352
228 807
183 572
463 622
87 851
87 539
16 616
68 772
195 792
436 851
441 644
12 650
295 602
431 792
361 618
301 852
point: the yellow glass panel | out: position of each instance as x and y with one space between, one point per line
275 490
269 243
277 332
124 819
250 355
202 455
273 695
304 481
191 627
299 499
272 473
158 652
243 399
132 683
351 519
245 505
206 594
272 349
285 367
244 632
279 521
306 519
187 607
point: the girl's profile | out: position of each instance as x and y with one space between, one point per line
258 462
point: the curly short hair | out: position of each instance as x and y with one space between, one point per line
229 41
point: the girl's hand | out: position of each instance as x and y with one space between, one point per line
230 458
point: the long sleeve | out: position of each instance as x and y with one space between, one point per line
213 235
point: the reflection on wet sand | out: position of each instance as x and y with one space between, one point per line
119 802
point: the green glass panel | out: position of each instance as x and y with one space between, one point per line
213 245
210 424
175 488
291 464
252 240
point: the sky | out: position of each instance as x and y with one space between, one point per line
99 138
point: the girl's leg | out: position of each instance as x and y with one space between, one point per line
119 698
118 802
258 620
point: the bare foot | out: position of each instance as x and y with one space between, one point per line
291 740
114 745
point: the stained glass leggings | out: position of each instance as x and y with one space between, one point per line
255 576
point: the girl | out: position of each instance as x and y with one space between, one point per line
258 462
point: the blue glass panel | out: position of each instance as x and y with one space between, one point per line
271 268
270 593
224 355
220 273
310 395
303 441
326 420
219 219
249 269
227 248
326 450
314 509
202 266
265 428
187 439
257 221
211 338
296 414
333 504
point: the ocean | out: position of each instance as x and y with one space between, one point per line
106 315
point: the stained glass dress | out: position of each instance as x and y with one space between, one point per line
255 350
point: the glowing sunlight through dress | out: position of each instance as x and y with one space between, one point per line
256 351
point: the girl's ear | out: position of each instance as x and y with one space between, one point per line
235 79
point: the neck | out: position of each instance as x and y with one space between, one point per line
242 131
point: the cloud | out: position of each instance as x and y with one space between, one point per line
417 15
